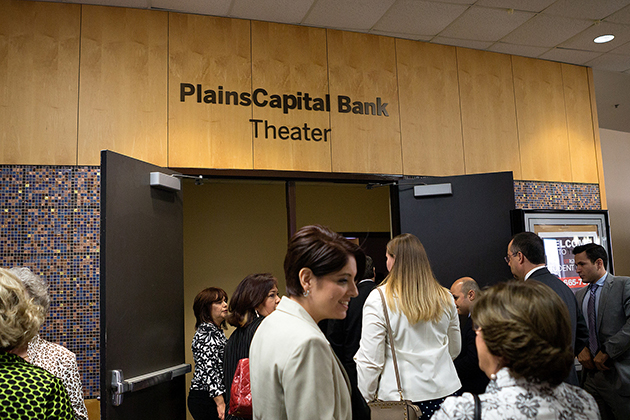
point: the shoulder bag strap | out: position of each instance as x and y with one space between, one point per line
391 343
477 407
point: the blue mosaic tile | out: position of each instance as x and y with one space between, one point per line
49 222
9 261
556 195
46 186
11 237
87 186
86 230
11 186
47 230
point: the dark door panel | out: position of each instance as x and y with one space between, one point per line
465 233
142 315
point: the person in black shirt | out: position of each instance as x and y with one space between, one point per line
255 297
466 291
344 336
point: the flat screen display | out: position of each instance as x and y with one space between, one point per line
561 233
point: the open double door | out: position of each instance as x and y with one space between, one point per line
142 288
142 294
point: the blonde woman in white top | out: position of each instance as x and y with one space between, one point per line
425 328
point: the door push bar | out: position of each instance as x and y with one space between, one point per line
120 385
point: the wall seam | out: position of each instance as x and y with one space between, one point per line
400 136
79 83
251 87
168 84
566 121
461 113
330 148
518 132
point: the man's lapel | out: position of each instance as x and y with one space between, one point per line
603 299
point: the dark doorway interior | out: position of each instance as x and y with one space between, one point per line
373 244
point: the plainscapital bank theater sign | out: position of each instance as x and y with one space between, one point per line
285 102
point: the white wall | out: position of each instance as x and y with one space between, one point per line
616 158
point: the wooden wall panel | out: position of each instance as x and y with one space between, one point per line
363 67
288 59
122 104
541 118
579 124
39 81
430 119
215 53
488 112
598 145
78 79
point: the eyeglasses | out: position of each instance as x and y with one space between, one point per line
509 256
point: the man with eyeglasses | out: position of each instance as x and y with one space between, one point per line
526 258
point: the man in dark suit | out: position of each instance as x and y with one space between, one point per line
526 258
606 357
465 291
344 336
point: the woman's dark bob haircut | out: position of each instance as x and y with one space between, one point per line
250 292
320 249
202 306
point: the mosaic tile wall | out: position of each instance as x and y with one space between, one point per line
49 222
556 195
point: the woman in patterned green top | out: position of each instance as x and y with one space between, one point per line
26 391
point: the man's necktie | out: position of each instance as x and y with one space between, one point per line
592 329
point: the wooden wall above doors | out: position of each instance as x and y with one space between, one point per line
112 78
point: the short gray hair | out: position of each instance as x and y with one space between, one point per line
35 286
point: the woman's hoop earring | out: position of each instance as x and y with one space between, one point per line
306 293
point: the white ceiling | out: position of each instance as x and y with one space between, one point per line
558 30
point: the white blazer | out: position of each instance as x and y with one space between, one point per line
294 372
424 351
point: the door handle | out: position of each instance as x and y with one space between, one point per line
120 386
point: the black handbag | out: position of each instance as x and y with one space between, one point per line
393 410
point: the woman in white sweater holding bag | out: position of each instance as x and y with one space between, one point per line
425 330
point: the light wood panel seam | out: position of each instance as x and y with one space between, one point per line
518 134
168 86
251 87
461 117
79 82
402 160
333 137
596 139
566 121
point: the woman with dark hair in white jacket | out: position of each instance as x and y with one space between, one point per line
294 372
